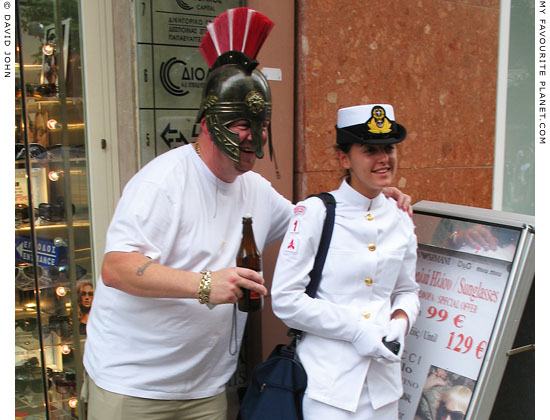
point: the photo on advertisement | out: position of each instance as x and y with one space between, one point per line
445 395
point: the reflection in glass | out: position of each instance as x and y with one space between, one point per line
470 237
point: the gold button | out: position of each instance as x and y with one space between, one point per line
369 217
366 315
368 281
372 247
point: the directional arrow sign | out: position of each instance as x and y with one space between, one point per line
47 252
170 136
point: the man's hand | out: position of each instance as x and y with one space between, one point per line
403 200
477 236
226 284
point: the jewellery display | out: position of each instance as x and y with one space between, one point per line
52 212
28 380
61 325
22 213
41 90
28 377
36 151
54 272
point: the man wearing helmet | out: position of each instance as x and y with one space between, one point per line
236 90
162 340
234 116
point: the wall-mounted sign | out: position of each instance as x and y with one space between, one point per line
170 70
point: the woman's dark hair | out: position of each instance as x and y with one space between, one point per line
344 148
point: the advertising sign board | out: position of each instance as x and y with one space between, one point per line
473 266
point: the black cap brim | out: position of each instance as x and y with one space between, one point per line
359 134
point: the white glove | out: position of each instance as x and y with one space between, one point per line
368 342
397 331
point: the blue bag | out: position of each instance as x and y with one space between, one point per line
277 386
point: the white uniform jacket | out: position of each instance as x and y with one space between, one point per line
369 273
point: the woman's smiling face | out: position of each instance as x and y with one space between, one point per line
372 167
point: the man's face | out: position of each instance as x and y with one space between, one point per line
225 168
246 145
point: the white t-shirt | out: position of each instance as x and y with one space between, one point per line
178 213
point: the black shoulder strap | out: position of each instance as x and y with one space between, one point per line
326 235
315 273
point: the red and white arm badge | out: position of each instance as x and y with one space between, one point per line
292 245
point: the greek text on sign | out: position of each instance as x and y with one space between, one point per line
48 253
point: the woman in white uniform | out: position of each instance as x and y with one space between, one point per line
367 291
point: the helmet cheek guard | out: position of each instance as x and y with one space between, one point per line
258 105
257 128
225 139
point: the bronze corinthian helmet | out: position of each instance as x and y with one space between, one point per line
234 89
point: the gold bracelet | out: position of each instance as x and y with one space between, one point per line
204 287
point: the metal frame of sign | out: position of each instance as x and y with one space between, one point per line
508 315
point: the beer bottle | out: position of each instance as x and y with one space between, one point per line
249 257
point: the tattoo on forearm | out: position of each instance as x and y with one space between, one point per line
142 269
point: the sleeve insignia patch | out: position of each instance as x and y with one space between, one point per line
291 245
294 226
300 210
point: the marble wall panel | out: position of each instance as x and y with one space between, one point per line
465 186
434 60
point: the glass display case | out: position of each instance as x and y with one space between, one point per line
53 258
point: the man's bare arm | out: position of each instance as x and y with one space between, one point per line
138 275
